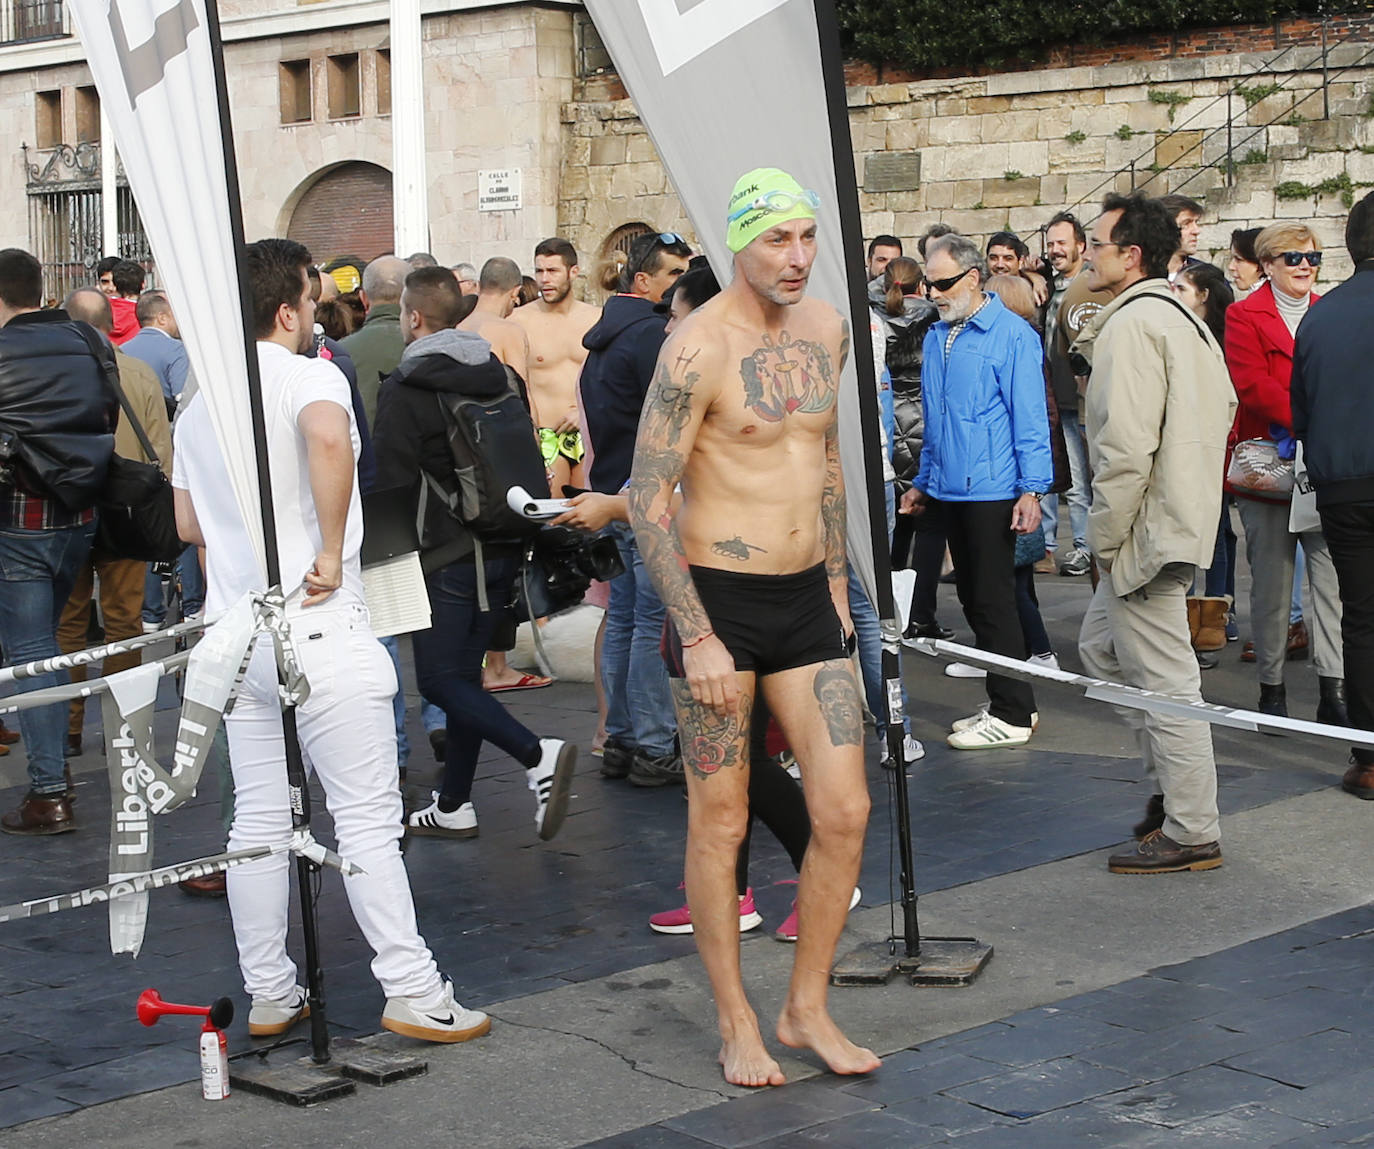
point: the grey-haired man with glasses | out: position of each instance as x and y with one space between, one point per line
986 458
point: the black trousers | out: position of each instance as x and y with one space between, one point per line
1349 531
918 541
775 798
983 548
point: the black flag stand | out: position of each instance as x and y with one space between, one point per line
930 961
298 790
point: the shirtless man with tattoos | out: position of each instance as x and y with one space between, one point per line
554 324
742 412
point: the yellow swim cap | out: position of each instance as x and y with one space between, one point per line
764 198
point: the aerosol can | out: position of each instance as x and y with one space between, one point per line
214 1063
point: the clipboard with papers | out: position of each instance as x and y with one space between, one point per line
393 581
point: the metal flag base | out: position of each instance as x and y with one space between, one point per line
380 1059
942 962
297 1081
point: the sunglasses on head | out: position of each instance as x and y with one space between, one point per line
668 238
1293 258
943 284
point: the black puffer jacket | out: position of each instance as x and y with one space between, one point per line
57 413
905 334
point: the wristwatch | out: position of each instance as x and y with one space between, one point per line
1036 495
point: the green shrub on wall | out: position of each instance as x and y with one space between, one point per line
996 33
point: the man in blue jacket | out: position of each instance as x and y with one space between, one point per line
1332 417
986 457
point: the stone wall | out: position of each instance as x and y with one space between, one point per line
1007 151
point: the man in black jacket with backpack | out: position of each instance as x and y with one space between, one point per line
450 394
57 420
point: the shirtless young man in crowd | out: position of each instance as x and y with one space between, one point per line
555 324
742 411
497 295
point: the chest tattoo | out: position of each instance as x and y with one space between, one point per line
791 375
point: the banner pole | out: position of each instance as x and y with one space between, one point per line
298 791
926 966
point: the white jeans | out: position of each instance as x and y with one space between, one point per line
348 736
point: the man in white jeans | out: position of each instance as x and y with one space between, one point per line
346 727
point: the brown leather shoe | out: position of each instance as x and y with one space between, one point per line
210 886
40 814
1153 820
1159 854
1359 780
8 737
1247 652
1046 565
1298 644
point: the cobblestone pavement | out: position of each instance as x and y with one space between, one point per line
1257 1043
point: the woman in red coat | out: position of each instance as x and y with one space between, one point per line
1259 351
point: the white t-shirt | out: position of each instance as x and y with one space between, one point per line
289 383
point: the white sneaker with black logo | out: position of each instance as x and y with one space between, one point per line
444 1020
433 822
268 1018
551 782
989 733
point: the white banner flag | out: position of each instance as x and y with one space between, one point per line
725 86
156 76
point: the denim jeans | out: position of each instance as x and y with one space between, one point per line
448 665
868 632
639 703
1077 495
192 589
37 571
392 645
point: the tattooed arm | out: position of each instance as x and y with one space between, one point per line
833 505
678 398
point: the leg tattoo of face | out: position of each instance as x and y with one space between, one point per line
838 695
711 742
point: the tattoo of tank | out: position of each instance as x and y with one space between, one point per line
711 742
735 548
787 377
838 695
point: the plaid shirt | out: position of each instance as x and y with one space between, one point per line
958 325
21 510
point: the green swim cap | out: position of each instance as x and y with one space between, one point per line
764 198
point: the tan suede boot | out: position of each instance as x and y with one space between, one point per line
1210 632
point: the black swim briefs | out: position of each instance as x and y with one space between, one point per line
768 622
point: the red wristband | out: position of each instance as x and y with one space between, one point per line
699 639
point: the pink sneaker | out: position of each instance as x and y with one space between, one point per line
787 932
679 921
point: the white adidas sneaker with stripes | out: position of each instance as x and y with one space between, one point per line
989 733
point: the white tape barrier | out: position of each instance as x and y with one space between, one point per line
1118 694
301 843
22 670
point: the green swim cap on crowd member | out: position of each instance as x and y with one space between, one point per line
764 198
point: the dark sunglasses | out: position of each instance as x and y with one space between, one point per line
943 284
1293 258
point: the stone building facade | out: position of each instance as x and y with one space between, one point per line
1257 135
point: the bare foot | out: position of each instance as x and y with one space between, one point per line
745 1061
818 1032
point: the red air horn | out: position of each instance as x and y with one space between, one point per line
151 1007
214 1051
